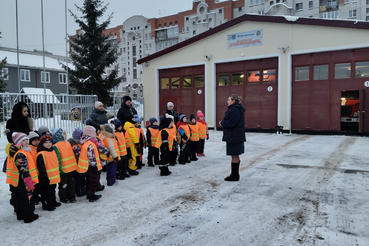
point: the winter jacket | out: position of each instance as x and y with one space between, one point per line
99 117
233 124
173 113
124 112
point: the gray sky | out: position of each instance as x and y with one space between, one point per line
30 28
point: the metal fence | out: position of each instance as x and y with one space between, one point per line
58 110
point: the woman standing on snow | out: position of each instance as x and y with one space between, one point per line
233 124
98 116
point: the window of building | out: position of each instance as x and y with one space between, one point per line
278 1
45 77
204 20
165 24
146 46
342 70
253 76
170 23
321 72
62 78
261 12
149 46
175 81
134 62
25 75
187 82
164 82
124 60
194 32
262 1
271 3
223 79
299 6
352 13
269 75
199 21
134 50
187 19
5 74
329 15
256 2
347 1
220 11
183 29
134 73
159 25
124 70
240 9
367 18
251 2
187 29
367 10
176 23
202 9
194 23
301 73
199 81
311 4
237 78
210 19
362 69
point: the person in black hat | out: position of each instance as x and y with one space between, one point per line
126 109
166 146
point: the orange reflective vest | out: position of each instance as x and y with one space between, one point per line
121 143
154 137
12 173
116 147
202 130
194 132
68 159
33 151
32 165
186 128
173 130
170 138
83 162
51 165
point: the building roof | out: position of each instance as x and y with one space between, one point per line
36 95
352 24
30 60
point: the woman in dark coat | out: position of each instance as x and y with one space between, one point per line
126 110
98 116
21 120
233 124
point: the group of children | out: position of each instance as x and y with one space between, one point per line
37 162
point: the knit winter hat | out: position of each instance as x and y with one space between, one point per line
165 123
200 114
89 131
192 117
57 134
116 122
44 138
77 133
137 118
181 116
42 130
170 104
98 104
127 98
18 137
109 128
152 120
32 136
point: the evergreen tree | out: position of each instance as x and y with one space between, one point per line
2 82
92 52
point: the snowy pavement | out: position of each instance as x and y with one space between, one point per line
293 190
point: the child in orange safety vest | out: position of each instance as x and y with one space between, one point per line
152 136
49 175
166 145
203 133
34 140
109 141
194 139
67 166
22 175
123 163
184 133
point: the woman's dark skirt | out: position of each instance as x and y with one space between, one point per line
235 148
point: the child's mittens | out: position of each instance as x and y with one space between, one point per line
116 160
207 136
29 183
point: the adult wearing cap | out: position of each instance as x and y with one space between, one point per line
126 109
171 111
98 115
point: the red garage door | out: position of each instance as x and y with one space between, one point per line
184 87
256 81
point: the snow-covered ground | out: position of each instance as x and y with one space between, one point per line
294 190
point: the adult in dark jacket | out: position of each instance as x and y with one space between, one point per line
233 124
126 109
171 111
98 116
21 120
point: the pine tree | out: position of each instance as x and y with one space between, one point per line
2 82
91 53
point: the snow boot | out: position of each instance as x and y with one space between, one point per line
235 176
93 197
164 171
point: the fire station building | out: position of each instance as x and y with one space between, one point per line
307 75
